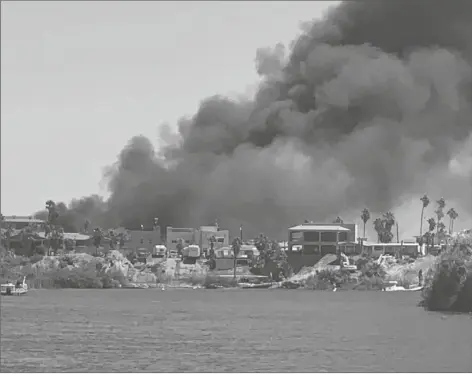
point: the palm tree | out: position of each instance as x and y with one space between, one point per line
236 246
365 216
378 226
86 225
97 239
439 214
52 230
425 201
432 226
452 216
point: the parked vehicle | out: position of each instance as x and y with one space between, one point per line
191 254
18 289
159 251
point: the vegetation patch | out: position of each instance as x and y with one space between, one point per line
448 285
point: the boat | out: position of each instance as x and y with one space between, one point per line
10 289
255 285
393 286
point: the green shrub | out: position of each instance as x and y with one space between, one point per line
372 283
328 279
448 286
35 258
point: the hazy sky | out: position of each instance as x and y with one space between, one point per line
79 79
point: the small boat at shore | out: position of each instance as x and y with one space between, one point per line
393 286
10 289
255 285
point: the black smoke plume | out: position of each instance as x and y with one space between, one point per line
369 107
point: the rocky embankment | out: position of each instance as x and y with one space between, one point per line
117 267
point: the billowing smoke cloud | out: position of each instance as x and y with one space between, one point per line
370 107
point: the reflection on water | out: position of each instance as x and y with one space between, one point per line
209 330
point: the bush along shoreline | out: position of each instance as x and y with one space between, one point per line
448 285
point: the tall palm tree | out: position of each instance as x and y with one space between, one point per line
432 226
425 201
450 213
86 225
365 216
236 246
439 214
455 215
378 226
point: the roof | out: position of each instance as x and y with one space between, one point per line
405 244
209 228
12 219
75 236
315 227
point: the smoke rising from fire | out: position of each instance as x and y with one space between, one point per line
369 107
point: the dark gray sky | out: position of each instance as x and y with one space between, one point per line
80 78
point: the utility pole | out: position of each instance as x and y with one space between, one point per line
236 246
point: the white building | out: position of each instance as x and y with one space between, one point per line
320 238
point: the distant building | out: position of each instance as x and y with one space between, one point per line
205 233
174 234
143 239
320 238
77 240
394 249
20 222
201 237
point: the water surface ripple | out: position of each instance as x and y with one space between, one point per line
239 330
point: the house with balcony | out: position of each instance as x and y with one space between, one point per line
320 238
21 222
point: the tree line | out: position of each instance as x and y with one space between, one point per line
436 227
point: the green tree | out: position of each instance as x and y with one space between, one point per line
383 227
53 231
439 214
365 216
432 225
452 216
112 240
236 247
338 220
272 259
425 201
97 239
86 225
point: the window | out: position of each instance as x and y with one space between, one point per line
296 236
343 236
325 249
220 240
311 249
378 248
311 236
174 241
328 236
389 250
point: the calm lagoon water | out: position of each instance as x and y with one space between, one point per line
232 330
